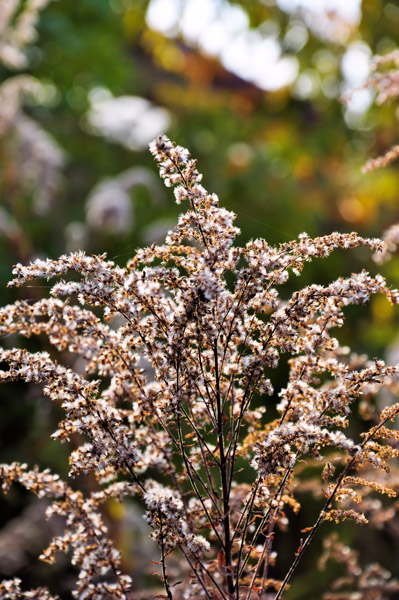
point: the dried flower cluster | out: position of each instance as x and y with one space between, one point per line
391 243
385 83
177 395
367 584
32 159
17 29
38 157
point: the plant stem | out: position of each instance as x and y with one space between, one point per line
164 574
224 479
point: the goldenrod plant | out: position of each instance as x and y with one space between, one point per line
179 349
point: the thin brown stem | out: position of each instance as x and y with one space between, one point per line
163 566
223 467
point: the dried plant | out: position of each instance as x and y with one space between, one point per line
385 83
32 160
18 19
370 583
176 400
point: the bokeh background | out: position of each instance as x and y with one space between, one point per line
269 95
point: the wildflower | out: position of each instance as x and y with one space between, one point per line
165 409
